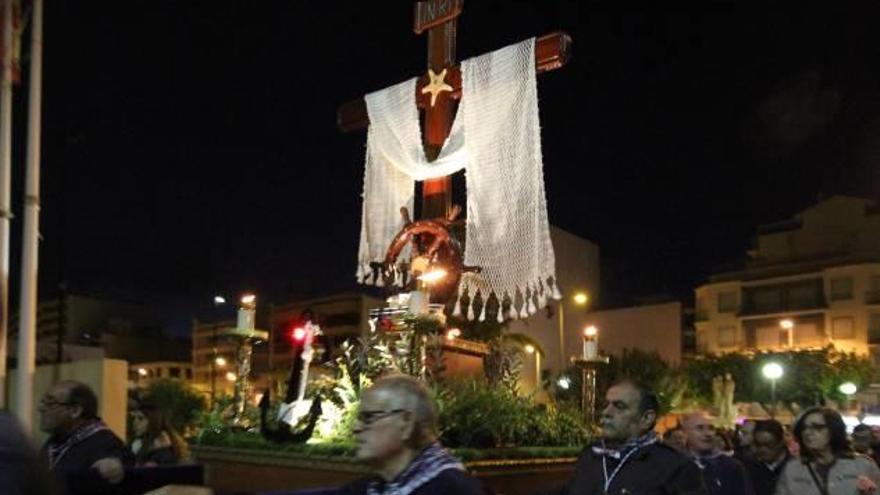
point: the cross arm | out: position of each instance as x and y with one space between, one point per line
552 51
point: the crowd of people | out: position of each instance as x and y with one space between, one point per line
396 433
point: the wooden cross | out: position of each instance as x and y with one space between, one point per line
438 17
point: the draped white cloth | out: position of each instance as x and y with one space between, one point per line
496 138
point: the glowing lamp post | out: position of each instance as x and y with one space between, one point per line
772 372
848 389
580 299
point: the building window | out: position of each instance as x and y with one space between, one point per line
726 336
189 373
174 372
874 329
727 302
841 288
843 328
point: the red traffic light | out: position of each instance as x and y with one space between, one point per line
299 334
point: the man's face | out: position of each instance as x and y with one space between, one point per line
677 440
768 449
381 428
621 420
861 441
700 433
56 412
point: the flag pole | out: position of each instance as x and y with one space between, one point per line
5 178
27 330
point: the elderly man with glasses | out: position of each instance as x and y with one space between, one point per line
396 436
80 445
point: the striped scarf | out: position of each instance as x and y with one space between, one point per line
424 468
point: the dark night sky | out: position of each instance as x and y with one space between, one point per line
190 147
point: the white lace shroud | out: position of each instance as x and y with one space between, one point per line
496 138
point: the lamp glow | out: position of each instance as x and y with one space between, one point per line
218 300
433 275
248 299
530 348
453 334
564 382
142 372
591 331
230 376
772 371
787 324
581 298
848 388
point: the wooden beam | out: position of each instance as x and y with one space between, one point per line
552 51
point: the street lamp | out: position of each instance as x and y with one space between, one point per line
788 325
579 299
216 361
773 372
848 389
220 361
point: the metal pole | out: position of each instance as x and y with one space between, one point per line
561 336
27 331
5 178
214 359
773 398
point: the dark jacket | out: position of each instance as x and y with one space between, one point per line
763 477
448 482
74 468
654 470
724 475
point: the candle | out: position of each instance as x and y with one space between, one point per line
591 344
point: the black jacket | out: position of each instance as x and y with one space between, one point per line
448 482
654 470
763 478
725 475
74 469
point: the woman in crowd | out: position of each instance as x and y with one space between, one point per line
827 465
156 441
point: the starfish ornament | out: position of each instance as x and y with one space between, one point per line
436 85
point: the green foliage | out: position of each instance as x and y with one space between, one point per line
182 404
475 414
810 377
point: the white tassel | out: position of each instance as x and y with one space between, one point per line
456 311
542 299
470 313
398 277
511 313
500 317
523 313
483 312
531 306
359 274
380 280
556 294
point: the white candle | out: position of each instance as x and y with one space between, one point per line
591 349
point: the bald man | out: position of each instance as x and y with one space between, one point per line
722 475
396 436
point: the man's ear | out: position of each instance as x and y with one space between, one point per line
408 425
77 412
649 418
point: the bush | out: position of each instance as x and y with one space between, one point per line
473 414
182 404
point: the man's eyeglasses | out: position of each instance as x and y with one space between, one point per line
50 402
367 418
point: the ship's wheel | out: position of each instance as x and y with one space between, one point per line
435 257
